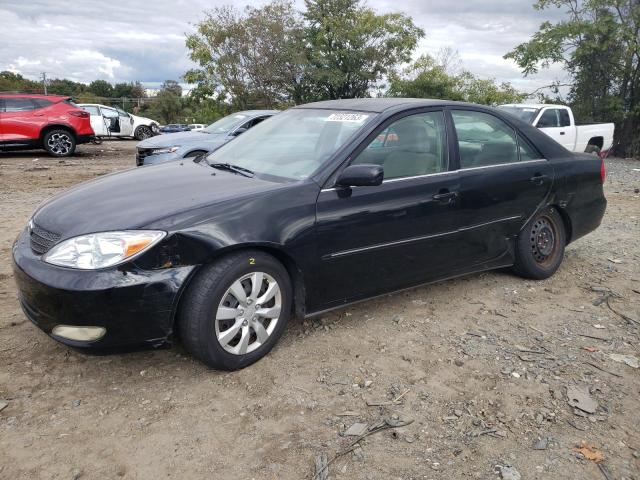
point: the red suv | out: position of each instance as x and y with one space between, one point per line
51 122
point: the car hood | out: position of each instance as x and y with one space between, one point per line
139 197
179 138
143 120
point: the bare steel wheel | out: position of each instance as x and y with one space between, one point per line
59 143
235 309
543 239
540 245
248 313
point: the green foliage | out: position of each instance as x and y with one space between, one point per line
350 48
429 78
251 58
101 88
172 86
14 82
598 45
274 56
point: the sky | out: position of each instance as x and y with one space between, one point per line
132 40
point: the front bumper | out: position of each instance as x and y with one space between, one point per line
135 306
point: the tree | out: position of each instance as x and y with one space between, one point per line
14 82
252 57
599 46
172 86
167 106
101 88
431 78
350 48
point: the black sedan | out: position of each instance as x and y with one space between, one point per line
324 205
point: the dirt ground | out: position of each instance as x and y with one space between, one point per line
481 365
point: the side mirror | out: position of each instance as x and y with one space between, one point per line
239 131
364 175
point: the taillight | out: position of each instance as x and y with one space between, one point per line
603 173
79 113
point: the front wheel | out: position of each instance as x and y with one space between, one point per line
143 132
540 246
59 143
236 309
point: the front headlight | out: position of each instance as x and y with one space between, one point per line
166 150
101 250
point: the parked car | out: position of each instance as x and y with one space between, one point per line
194 127
299 216
191 144
174 127
558 122
52 122
115 122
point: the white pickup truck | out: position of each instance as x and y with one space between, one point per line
558 122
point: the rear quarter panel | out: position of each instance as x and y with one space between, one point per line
578 193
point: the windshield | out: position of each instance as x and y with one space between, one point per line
292 144
226 124
526 114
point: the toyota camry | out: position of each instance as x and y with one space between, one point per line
324 205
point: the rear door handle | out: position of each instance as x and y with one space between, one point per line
538 179
445 197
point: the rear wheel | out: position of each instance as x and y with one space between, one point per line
236 309
59 143
142 132
540 246
592 149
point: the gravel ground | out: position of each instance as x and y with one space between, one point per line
487 368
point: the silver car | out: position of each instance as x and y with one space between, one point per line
174 146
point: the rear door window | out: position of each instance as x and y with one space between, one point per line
549 119
483 139
18 105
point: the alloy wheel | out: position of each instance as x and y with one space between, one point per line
60 143
248 313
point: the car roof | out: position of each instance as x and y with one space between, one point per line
379 105
256 112
34 95
533 105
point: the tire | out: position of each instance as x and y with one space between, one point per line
59 143
592 149
217 328
540 246
142 132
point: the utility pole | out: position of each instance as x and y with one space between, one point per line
44 81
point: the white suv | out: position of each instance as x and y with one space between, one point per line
115 122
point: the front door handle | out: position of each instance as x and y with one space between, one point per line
445 196
538 179
561 133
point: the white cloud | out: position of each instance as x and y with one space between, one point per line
124 40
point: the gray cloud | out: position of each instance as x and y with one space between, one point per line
124 41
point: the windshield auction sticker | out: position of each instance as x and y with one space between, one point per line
347 117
